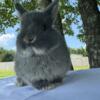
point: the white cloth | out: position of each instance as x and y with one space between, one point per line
79 85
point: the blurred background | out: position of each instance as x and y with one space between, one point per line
78 20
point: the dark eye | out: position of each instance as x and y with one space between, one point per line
44 27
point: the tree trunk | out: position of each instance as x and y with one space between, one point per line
91 23
42 4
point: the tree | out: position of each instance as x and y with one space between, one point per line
7 10
91 22
6 55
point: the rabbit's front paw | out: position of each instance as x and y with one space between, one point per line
40 84
53 84
46 85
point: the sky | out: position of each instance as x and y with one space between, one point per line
8 40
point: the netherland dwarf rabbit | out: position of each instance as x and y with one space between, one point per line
42 58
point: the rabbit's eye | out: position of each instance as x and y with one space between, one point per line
44 27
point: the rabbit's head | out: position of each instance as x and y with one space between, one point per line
37 28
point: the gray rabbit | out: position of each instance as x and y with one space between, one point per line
42 58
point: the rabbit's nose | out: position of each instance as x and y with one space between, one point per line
29 39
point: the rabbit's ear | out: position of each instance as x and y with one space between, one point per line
20 9
52 9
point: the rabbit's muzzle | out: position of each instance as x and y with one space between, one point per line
29 40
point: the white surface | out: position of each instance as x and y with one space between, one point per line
79 85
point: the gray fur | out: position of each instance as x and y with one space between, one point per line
41 50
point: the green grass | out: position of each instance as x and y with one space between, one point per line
8 73
81 67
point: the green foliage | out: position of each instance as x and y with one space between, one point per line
7 13
6 55
69 13
82 37
81 51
